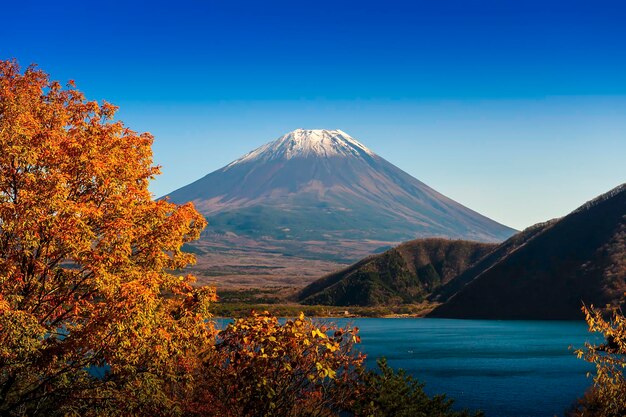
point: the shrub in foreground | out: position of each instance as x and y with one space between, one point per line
607 398
260 367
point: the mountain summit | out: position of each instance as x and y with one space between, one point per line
320 193
303 143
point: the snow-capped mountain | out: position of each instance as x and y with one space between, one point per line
307 143
325 186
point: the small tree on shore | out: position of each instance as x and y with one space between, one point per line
260 367
607 397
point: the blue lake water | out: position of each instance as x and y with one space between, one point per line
505 368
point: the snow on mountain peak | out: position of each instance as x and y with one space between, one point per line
304 143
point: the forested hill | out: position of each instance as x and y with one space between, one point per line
404 274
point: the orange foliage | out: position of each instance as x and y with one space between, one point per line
608 396
86 256
260 367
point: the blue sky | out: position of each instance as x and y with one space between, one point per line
515 109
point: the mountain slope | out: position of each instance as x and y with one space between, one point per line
404 274
443 293
320 193
579 258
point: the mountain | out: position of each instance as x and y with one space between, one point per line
325 187
445 292
548 271
404 274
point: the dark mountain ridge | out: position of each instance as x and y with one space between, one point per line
443 293
551 271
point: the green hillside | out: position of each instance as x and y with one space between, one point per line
407 273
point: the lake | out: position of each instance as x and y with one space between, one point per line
505 368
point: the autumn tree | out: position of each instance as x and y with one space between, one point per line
607 398
260 367
86 261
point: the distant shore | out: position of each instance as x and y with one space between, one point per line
237 310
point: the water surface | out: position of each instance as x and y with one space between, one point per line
505 368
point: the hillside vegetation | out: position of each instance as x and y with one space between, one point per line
404 274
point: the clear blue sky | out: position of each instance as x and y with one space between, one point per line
516 109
